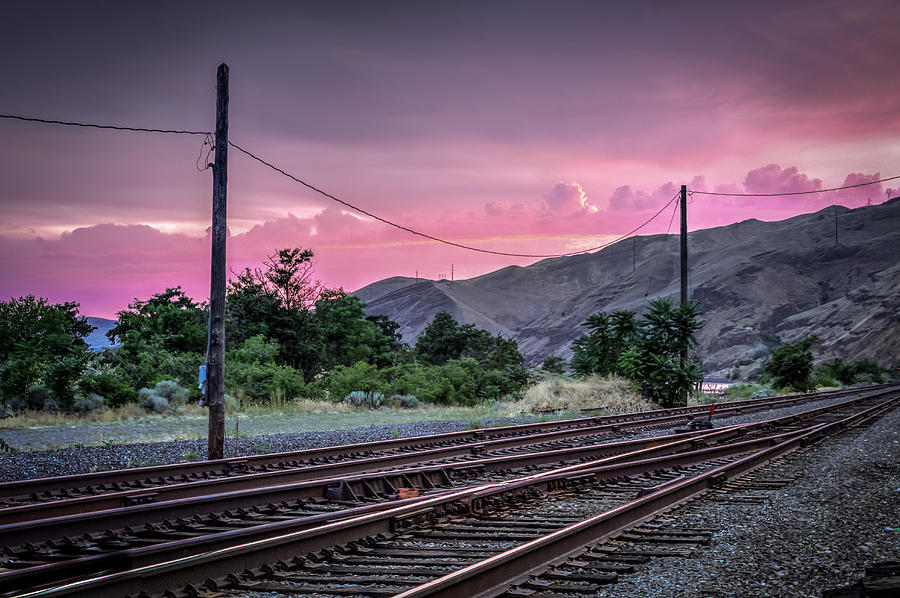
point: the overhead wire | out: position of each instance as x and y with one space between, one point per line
659 254
207 141
96 126
692 192
431 237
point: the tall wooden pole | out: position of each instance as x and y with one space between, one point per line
215 360
684 249
684 273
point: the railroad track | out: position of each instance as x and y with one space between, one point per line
120 488
321 543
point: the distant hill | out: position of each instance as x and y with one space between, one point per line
97 339
758 283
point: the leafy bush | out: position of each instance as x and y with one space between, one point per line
740 391
152 402
172 391
253 373
824 378
15 403
84 404
368 400
115 392
839 372
361 376
554 364
406 401
40 398
165 396
791 365
147 367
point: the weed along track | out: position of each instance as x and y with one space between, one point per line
440 529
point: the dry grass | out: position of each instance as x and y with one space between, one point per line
609 395
296 406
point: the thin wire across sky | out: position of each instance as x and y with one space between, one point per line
406 228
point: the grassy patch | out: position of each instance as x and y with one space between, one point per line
126 425
608 395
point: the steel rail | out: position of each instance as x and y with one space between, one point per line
279 478
490 577
138 515
256 553
19 488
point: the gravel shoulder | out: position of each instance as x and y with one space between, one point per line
820 532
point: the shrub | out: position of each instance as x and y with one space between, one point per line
265 381
171 391
743 390
407 401
791 365
343 380
40 398
152 402
84 404
826 379
115 392
368 400
165 396
554 364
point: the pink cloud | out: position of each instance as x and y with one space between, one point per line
625 198
773 179
861 195
567 199
107 265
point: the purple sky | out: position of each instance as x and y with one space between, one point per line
529 127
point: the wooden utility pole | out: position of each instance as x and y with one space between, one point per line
684 273
215 359
684 250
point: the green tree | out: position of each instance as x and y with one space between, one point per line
348 336
666 334
647 351
251 372
397 350
791 365
161 338
554 364
445 339
41 343
169 319
598 351
316 328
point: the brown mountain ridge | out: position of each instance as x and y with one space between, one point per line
758 283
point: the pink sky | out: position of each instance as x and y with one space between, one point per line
526 127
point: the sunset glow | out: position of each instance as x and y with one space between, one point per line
519 127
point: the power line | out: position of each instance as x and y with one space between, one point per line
794 192
431 237
207 134
659 255
96 126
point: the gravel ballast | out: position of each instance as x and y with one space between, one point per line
840 514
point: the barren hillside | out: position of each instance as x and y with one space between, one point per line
757 282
